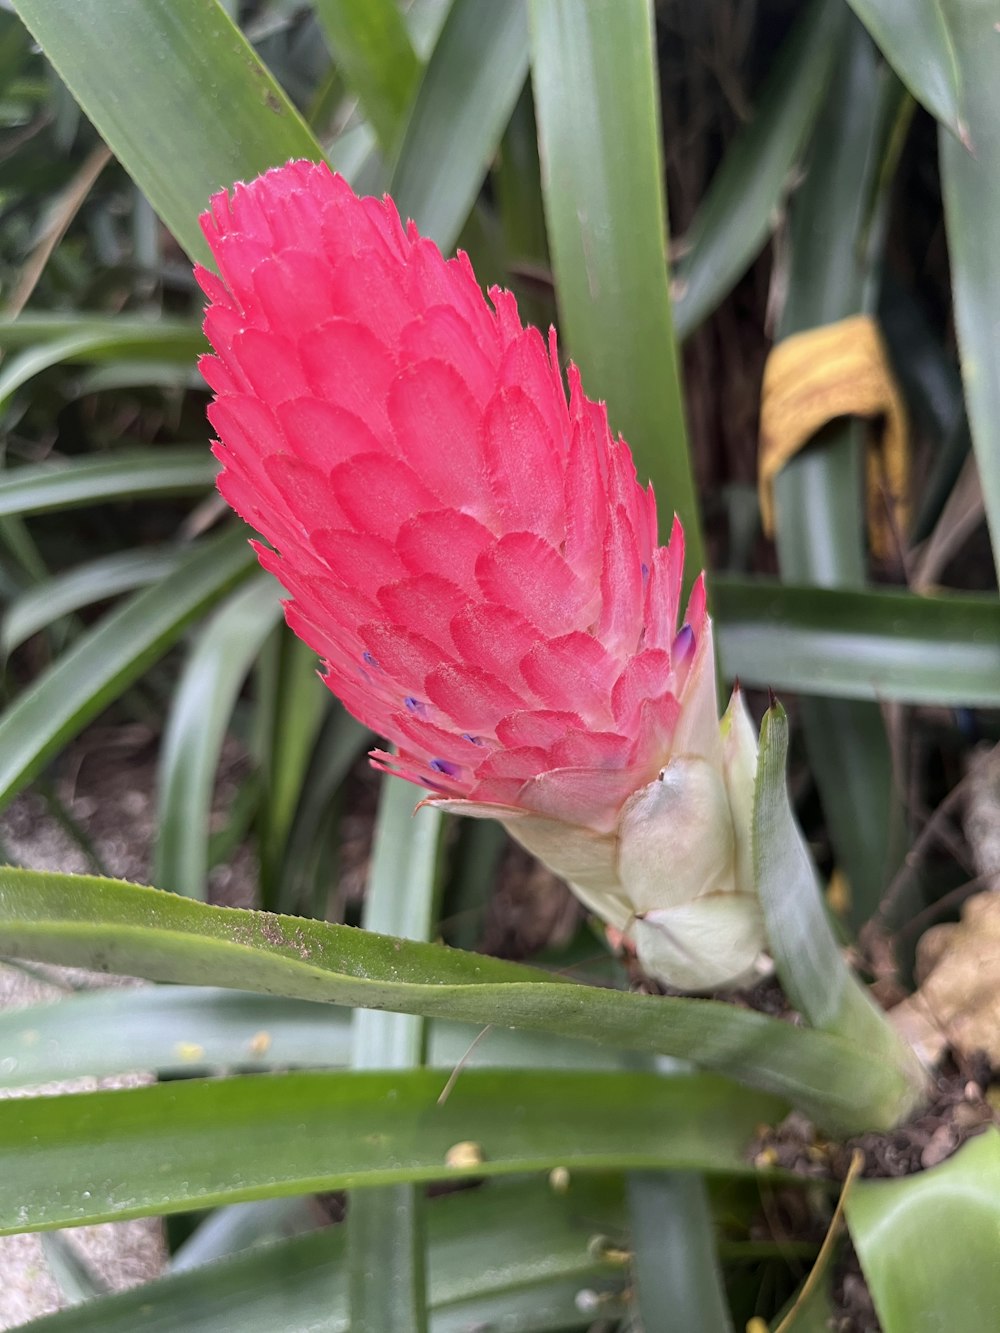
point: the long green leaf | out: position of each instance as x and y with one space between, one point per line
468 91
304 885
971 183
103 337
169 1030
598 112
739 209
487 1248
196 727
928 1243
76 347
178 95
946 51
92 1157
676 1265
94 581
113 926
290 709
130 474
814 975
387 1258
246 1226
876 644
108 658
819 517
173 1030
922 40
373 51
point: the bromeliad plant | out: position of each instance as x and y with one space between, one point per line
470 553
476 564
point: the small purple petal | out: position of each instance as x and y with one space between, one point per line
415 706
683 646
443 766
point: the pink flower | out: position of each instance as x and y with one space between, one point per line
476 563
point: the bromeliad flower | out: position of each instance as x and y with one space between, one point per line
474 560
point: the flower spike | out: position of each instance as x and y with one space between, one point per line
471 555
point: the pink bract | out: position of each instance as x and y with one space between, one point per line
469 552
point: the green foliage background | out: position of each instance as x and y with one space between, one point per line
538 135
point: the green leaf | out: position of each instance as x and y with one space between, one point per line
196 725
819 518
100 1156
518 182
173 1030
676 1265
928 1243
244 1226
808 960
971 185
166 375
598 110
74 1279
876 644
738 212
126 475
178 95
169 1030
96 338
387 1259
118 927
108 658
920 40
94 581
373 51
304 886
401 901
290 709
489 1250
469 89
